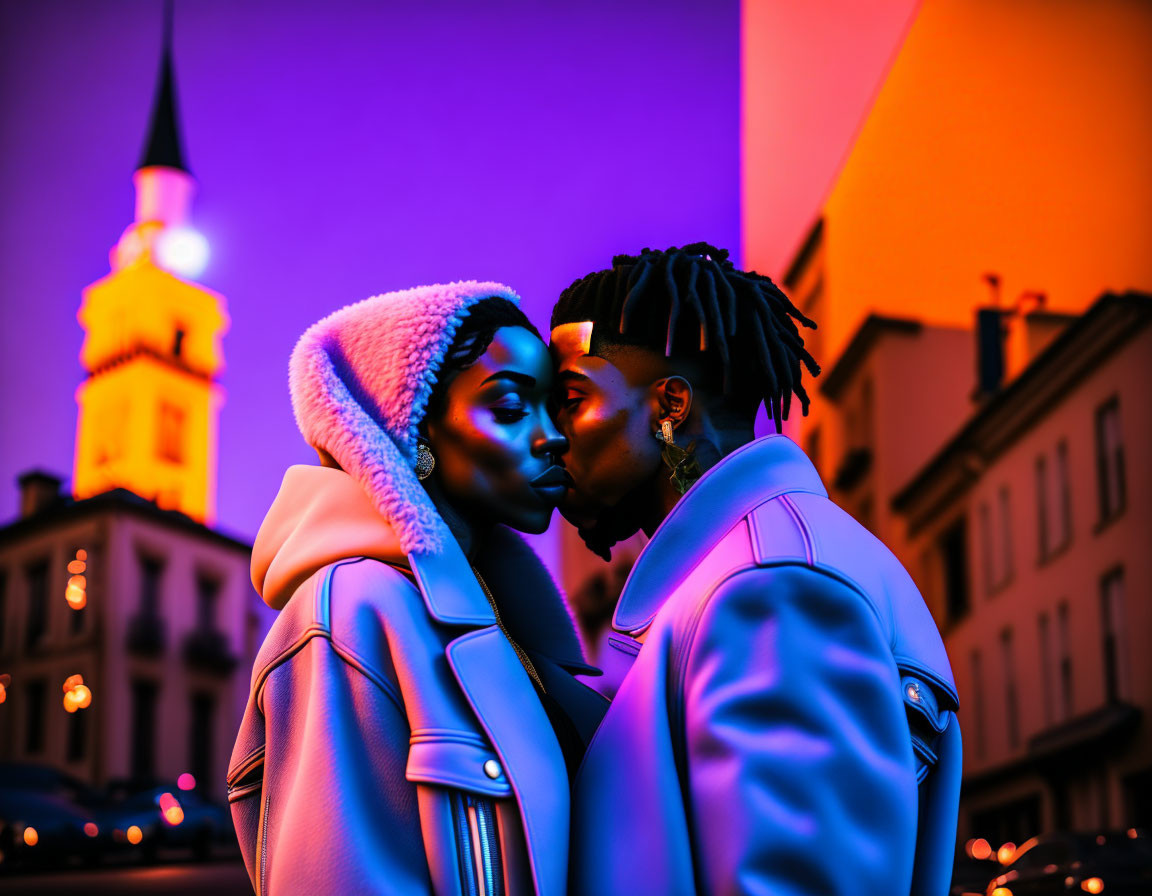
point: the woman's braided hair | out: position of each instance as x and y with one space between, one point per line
691 302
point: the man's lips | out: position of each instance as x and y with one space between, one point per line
552 477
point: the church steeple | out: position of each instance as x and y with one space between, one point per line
149 406
164 146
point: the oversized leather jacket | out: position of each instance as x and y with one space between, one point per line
787 722
392 741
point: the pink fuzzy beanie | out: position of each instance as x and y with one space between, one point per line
360 381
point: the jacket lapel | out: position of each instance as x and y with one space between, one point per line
505 702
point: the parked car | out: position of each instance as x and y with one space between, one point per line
1116 863
970 876
46 817
197 826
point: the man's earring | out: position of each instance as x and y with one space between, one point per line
425 460
665 434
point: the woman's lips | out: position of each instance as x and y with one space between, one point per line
554 477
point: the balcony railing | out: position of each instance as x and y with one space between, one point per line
207 651
147 634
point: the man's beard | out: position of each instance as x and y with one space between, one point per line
613 525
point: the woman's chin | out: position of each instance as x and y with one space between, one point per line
534 522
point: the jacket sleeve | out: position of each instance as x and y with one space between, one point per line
799 765
338 815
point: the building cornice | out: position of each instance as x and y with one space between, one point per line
116 501
833 383
1113 320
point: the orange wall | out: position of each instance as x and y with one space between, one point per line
1011 136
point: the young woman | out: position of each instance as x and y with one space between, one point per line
413 714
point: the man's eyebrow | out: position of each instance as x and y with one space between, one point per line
520 378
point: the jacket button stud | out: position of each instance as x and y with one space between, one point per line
492 768
913 693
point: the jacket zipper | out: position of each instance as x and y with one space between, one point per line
481 870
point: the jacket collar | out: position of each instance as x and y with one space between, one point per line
531 606
724 495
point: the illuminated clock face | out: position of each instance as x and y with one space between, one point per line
183 251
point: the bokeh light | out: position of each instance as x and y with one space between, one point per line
1005 853
77 566
1092 885
91 829
30 836
186 781
135 835
981 849
183 251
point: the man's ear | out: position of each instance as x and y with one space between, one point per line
674 396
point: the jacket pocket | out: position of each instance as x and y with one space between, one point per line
245 788
927 718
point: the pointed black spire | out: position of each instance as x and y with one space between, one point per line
164 144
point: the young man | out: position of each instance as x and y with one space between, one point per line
787 724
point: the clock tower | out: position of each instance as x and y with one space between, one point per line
149 405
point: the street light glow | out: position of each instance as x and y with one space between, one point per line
183 251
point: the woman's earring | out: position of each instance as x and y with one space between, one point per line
425 460
666 432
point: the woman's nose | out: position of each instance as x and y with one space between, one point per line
547 440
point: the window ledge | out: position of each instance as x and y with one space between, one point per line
1107 521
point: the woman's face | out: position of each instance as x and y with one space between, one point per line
495 446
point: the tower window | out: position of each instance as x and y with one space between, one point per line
178 342
170 441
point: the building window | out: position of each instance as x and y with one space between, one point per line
1112 626
201 736
1047 690
77 735
1042 507
954 553
1005 504
986 548
151 570
1063 498
37 576
207 594
1065 655
143 728
978 702
178 342
1109 459
1011 704
170 434
36 695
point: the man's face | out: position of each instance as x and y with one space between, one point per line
608 412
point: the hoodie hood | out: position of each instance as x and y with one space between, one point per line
319 516
360 380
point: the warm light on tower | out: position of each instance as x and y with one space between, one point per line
183 251
150 404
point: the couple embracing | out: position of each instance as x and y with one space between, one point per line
419 721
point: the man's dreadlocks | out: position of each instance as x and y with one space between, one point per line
691 302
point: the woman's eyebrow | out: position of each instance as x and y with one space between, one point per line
567 375
520 378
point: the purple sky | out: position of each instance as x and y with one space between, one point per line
345 149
